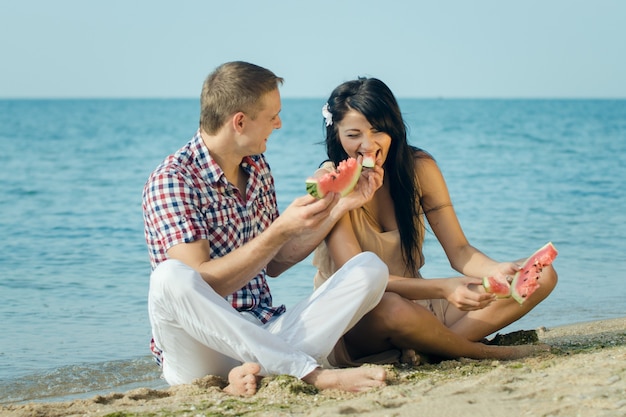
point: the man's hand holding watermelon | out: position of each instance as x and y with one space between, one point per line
308 219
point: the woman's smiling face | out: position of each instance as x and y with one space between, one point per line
358 137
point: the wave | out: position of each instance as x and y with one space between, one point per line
82 381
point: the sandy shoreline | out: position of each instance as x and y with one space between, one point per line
585 374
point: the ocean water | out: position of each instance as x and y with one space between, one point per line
74 268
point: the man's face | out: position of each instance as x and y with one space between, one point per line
258 130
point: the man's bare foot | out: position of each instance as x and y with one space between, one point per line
350 380
243 380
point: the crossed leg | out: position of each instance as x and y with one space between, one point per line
400 323
478 324
202 334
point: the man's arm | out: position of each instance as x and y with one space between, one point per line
301 245
231 272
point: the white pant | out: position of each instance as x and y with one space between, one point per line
201 334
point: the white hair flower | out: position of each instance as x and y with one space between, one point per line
328 116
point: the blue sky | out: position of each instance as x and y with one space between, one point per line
445 48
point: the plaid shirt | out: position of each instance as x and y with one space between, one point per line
188 198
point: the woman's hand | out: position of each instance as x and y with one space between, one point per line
467 293
371 179
505 271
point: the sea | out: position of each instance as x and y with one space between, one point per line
74 267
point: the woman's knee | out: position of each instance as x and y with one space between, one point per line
395 312
549 278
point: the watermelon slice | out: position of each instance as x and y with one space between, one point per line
502 289
525 281
342 180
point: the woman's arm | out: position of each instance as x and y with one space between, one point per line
444 223
343 244
463 292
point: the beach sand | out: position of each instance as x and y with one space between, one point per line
583 375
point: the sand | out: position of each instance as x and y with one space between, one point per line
583 375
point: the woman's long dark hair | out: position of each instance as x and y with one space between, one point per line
372 98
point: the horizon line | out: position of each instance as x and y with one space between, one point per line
399 97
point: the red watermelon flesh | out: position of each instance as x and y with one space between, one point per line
526 280
341 180
501 288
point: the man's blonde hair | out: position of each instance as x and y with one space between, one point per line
231 88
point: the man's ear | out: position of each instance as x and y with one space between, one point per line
238 121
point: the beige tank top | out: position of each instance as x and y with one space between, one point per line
384 244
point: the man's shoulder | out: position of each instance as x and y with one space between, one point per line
186 161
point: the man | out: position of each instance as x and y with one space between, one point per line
213 233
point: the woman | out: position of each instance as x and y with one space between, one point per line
446 317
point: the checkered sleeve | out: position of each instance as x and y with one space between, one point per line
172 213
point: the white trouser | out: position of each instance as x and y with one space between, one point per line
201 334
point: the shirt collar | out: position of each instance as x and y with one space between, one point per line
210 169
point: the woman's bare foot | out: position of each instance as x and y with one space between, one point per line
350 380
243 380
410 357
515 352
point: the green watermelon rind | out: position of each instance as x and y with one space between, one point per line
311 188
530 266
312 184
